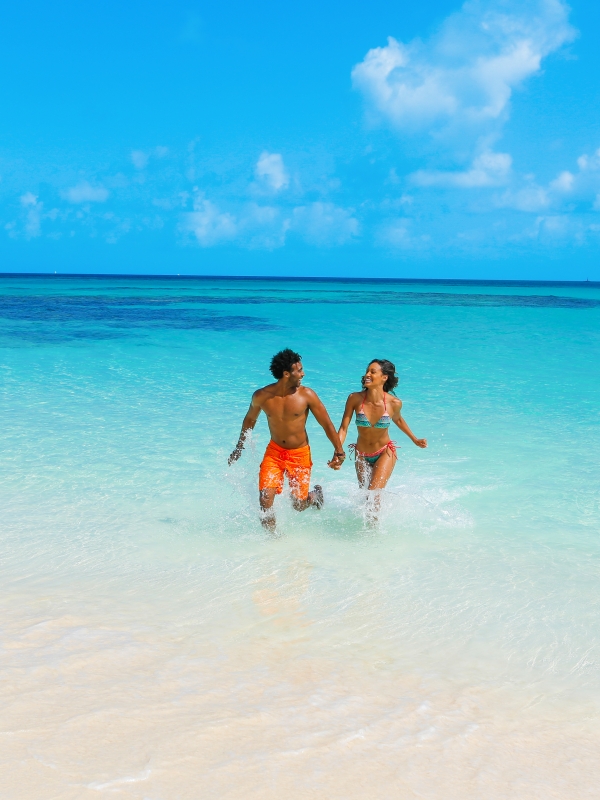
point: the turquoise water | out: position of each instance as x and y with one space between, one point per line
152 633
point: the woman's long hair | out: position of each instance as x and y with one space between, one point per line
389 370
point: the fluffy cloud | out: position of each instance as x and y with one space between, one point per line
397 235
488 169
208 224
463 77
140 159
84 192
579 187
271 173
589 163
325 223
29 223
563 182
33 215
267 226
28 199
582 184
530 198
252 225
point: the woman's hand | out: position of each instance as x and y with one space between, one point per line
337 460
420 442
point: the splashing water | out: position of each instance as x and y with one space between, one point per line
157 643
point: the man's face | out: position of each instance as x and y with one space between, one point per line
296 374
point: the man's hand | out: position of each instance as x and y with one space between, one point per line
420 442
247 426
337 460
234 456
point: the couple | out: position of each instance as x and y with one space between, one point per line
286 404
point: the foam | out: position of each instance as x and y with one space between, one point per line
155 642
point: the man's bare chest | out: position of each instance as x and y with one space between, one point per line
286 409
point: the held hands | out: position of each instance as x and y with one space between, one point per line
337 460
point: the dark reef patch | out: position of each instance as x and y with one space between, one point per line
59 318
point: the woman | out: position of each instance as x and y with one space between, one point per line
375 410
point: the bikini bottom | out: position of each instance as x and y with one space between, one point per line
372 458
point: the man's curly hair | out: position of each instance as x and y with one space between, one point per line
283 361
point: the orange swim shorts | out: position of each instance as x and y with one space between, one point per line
278 462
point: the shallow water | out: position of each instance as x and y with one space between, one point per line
156 644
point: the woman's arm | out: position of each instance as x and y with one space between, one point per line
347 418
320 414
403 425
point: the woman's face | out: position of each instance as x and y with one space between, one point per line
374 376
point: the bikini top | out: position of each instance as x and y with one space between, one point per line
383 421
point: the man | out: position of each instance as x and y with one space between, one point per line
286 404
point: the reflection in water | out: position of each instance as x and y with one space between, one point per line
151 633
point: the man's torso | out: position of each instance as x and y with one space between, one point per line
286 415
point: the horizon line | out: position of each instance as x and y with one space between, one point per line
301 278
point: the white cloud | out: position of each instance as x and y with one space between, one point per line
208 224
530 198
463 77
563 182
584 185
266 226
581 187
325 223
33 215
556 227
139 159
488 169
564 192
253 225
271 173
84 192
397 235
589 163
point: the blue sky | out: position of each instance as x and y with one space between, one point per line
277 138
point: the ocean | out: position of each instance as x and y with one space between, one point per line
156 643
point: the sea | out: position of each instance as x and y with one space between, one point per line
156 643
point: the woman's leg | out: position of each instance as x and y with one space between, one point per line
382 469
364 470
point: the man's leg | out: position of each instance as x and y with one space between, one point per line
314 498
270 483
299 479
267 515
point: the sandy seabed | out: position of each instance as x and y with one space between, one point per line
94 706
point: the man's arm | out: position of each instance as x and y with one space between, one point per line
247 425
320 414
402 424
